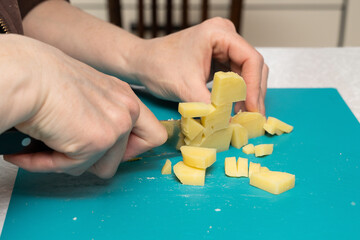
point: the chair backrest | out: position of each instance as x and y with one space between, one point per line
115 14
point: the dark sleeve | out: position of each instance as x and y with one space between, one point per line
26 6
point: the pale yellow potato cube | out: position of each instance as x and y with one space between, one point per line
242 167
195 109
263 149
254 168
219 140
252 121
239 136
218 119
279 124
228 87
191 128
249 149
273 182
166 169
264 169
230 167
189 175
198 157
195 142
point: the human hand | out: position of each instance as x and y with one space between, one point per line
177 67
91 120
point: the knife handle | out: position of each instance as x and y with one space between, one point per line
14 142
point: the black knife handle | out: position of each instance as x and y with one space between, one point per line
14 142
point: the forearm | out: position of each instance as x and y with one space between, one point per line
19 87
84 37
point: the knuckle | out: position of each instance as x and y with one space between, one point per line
221 22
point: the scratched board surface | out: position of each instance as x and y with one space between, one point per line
140 203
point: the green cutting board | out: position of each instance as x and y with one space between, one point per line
140 203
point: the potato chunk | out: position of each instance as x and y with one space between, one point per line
189 175
252 121
254 168
195 109
273 182
230 167
198 157
243 167
218 119
195 142
166 169
279 124
239 136
249 149
191 128
228 87
219 140
263 149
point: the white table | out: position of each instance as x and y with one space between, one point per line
289 68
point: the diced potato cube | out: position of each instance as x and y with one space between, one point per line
219 140
254 168
239 136
249 149
279 124
242 167
189 175
263 149
198 157
230 167
166 169
252 121
273 182
264 169
228 87
191 128
218 119
195 142
195 109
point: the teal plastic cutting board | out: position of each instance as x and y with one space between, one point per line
323 152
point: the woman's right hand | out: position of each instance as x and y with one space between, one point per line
90 119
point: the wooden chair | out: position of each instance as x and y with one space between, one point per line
115 15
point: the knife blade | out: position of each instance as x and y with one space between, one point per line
13 141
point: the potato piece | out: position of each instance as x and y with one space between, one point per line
263 149
195 142
219 140
279 124
273 182
271 129
189 175
264 169
191 128
239 136
198 157
249 149
218 119
254 168
230 167
195 109
228 87
166 169
242 167
252 121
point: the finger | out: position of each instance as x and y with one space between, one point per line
147 133
107 166
44 162
264 77
239 106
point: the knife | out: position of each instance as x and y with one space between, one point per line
13 141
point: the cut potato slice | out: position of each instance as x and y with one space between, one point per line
189 175
239 136
279 124
230 167
195 142
252 121
195 109
249 149
198 157
242 167
263 149
219 140
218 119
254 168
191 128
228 87
273 182
166 169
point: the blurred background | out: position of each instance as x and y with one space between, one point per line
264 23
